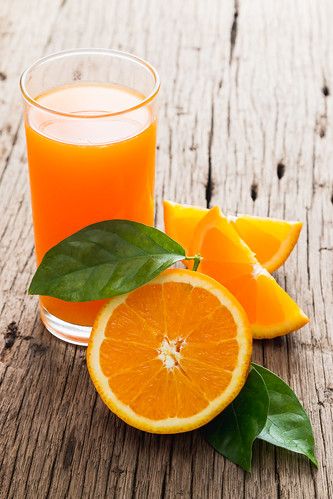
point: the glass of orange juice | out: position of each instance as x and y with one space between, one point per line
90 119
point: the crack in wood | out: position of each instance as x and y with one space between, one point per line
322 123
209 184
322 132
234 29
254 191
11 335
325 91
69 450
280 170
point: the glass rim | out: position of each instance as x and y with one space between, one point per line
90 51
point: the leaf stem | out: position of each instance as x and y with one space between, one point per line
196 261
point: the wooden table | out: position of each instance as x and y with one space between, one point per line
245 122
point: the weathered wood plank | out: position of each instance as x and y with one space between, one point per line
276 117
246 122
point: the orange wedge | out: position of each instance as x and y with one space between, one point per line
271 239
171 355
229 260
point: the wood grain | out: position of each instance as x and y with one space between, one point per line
246 115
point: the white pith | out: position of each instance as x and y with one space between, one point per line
258 270
169 352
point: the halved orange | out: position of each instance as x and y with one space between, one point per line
171 355
271 239
228 259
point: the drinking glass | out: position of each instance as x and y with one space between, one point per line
90 120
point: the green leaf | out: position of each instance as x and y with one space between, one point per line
287 424
104 260
233 432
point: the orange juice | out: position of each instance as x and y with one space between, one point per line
87 169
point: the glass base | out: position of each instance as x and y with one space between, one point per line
66 331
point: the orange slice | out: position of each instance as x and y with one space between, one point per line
171 355
180 222
271 239
228 259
